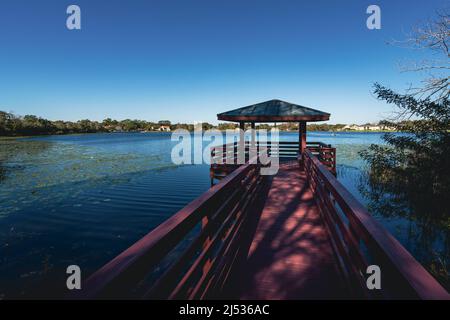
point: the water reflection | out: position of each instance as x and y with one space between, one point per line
423 222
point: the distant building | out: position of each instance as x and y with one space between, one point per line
366 127
353 127
164 128
387 128
372 127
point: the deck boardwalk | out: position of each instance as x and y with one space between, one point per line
290 256
273 238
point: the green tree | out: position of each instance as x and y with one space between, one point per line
409 176
5 122
227 126
416 163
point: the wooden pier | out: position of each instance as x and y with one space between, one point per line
290 256
299 234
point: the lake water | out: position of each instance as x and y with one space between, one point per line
82 199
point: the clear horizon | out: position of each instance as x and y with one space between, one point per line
186 62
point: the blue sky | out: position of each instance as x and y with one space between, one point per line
187 60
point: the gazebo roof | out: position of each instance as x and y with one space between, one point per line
274 111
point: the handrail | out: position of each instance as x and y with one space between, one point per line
358 238
228 154
215 218
197 248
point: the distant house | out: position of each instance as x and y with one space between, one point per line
365 127
387 128
372 127
164 128
353 127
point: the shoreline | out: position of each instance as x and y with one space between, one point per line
167 132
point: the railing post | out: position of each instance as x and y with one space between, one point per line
241 143
302 143
252 149
213 161
334 161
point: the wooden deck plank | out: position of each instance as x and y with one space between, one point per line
290 256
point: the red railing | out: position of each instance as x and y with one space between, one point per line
225 158
359 241
190 255
193 254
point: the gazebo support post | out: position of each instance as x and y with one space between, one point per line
301 143
253 150
241 144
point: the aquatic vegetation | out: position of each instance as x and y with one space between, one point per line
29 167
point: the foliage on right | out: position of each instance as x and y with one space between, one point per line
409 176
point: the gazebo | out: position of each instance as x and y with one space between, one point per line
275 111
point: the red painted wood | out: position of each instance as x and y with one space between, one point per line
160 238
302 136
380 242
290 256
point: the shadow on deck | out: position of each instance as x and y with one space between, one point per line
288 253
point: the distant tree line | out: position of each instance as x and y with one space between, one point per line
13 125
325 127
